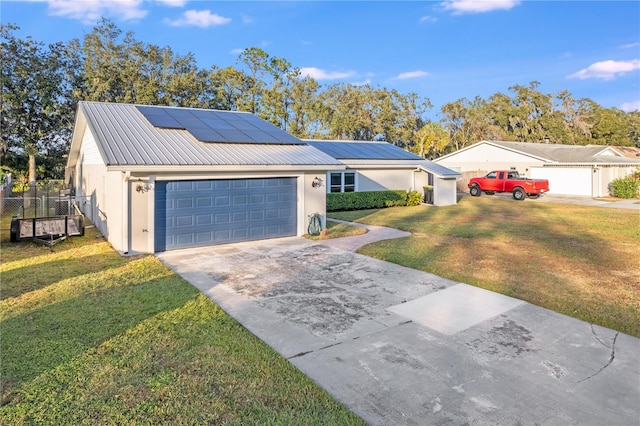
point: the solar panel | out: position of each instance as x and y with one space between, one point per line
218 126
243 125
364 151
217 123
207 135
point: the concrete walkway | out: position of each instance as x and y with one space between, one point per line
613 203
403 347
374 233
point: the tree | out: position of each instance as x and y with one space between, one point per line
36 112
303 104
120 68
226 87
471 121
611 127
430 141
257 61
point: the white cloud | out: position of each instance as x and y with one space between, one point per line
631 106
91 11
411 74
607 70
629 46
237 51
319 74
362 83
246 19
173 3
199 18
478 6
427 18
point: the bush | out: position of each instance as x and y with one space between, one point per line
625 187
414 198
337 201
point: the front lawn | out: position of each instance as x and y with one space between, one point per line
580 261
89 337
337 230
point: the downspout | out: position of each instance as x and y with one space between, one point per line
413 184
125 216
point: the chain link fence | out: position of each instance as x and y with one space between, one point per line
42 199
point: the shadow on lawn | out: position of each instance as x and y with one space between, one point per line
43 339
25 279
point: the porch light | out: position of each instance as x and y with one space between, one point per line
142 186
317 182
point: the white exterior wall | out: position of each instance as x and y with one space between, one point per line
383 179
605 175
313 200
485 158
445 192
90 182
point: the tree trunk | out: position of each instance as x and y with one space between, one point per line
32 169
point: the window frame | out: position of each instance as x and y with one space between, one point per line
343 186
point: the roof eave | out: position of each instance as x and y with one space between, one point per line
226 168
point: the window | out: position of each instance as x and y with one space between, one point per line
429 179
491 175
349 182
342 182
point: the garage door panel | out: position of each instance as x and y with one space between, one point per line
203 219
566 180
204 202
222 201
203 185
192 213
240 200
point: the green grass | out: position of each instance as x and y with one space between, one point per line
576 260
337 230
89 337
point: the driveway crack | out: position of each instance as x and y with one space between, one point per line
611 357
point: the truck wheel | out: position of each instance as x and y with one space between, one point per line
475 190
519 194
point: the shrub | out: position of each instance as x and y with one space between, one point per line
414 198
625 187
337 201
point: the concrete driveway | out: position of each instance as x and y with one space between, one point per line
403 347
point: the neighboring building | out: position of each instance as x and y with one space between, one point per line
570 169
374 166
155 178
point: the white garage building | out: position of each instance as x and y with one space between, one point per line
570 169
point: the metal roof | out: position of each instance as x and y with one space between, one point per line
126 138
362 150
378 154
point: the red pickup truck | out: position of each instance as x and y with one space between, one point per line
508 181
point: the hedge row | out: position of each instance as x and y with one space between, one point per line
337 201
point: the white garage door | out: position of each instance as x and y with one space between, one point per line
566 181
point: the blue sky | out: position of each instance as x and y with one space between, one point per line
443 50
